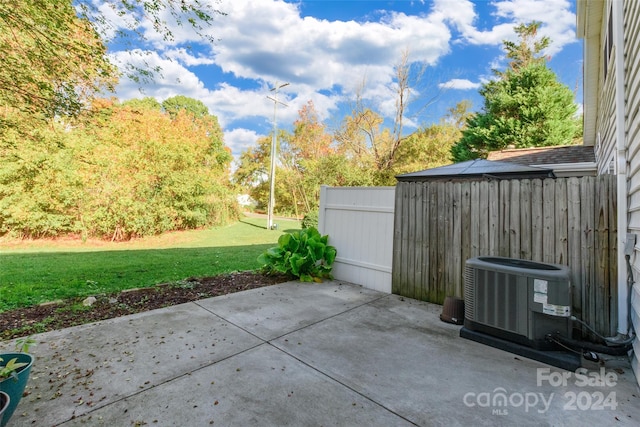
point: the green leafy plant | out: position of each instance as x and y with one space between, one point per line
304 254
9 369
310 220
24 344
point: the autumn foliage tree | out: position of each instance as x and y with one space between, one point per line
53 53
51 60
426 148
71 163
303 156
123 171
368 140
307 158
430 147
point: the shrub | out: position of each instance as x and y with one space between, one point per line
304 254
310 220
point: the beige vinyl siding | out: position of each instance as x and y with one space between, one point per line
632 131
606 126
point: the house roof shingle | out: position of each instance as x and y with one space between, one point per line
546 155
477 168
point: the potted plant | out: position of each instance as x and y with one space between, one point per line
15 368
4 403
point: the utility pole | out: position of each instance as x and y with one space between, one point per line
272 176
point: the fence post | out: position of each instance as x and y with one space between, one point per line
322 209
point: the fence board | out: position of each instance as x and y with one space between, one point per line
548 221
568 221
494 217
483 218
602 257
396 274
574 242
410 257
537 229
475 220
514 218
525 219
424 283
587 193
456 242
465 218
405 243
434 242
450 270
561 222
505 216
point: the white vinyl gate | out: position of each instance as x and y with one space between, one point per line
359 222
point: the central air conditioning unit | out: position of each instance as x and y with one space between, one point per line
517 300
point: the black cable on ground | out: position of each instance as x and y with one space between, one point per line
584 345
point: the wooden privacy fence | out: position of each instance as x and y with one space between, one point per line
570 221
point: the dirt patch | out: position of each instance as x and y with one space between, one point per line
63 314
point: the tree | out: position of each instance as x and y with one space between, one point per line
525 106
303 155
307 159
430 147
159 174
180 102
364 137
252 174
146 103
50 59
52 52
122 171
40 186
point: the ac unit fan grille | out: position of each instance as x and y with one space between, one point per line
469 292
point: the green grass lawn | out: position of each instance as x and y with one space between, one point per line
39 271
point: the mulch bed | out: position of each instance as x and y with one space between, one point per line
63 314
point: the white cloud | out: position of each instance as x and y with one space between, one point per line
172 79
238 140
558 22
188 58
460 84
261 42
270 41
108 17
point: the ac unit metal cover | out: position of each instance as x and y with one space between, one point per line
517 300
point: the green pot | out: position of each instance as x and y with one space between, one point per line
4 404
15 386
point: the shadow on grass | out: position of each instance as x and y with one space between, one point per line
288 230
33 278
253 225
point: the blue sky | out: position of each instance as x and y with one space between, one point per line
329 50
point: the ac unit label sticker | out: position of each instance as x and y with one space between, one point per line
540 291
556 310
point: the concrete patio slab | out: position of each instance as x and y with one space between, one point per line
262 386
398 353
306 354
83 368
274 311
